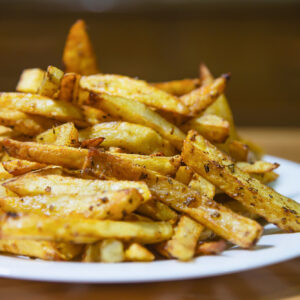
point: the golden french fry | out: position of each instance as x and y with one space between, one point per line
137 252
266 177
258 167
95 116
133 89
69 87
184 175
41 249
211 248
91 253
81 230
3 173
131 137
206 77
30 81
78 56
63 135
212 127
239 151
18 167
199 99
203 186
220 170
178 87
111 251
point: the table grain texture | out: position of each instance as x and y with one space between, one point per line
280 281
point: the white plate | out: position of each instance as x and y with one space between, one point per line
273 247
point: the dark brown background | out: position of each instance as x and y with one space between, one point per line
258 43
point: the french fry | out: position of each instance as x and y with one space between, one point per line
199 99
24 123
63 135
111 251
258 167
42 106
3 173
233 227
178 87
182 245
137 112
184 175
81 230
220 170
91 253
4 192
109 205
137 252
131 137
212 127
30 81
266 177
211 248
239 151
95 116
205 75
18 167
51 83
68 89
200 184
41 249
78 56
133 89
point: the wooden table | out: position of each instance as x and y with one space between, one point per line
281 281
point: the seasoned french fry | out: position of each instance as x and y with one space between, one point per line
182 245
239 151
69 87
158 211
51 83
259 167
211 248
81 230
266 177
42 106
63 135
131 137
184 174
178 87
212 127
91 253
199 99
95 116
203 186
220 170
24 123
206 77
78 56
111 251
3 173
4 192
129 88
30 81
136 112
41 249
137 252
18 167
109 205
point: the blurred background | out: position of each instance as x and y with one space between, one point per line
257 41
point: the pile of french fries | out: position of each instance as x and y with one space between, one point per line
106 168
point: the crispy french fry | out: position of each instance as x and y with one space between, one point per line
78 56
182 245
95 116
220 170
158 211
42 106
137 252
206 77
5 131
178 87
111 251
51 83
69 87
63 135
211 248
131 137
18 167
199 99
91 253
4 192
184 175
129 88
259 167
266 177
233 227
108 205
81 230
212 127
136 112
3 173
24 123
239 151
41 249
203 186
30 81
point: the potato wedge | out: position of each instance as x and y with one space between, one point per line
258 167
204 187
211 248
133 89
18 167
239 151
81 230
68 89
199 99
205 75
95 116
212 127
3 173
220 170
183 243
178 87
184 174
129 136
78 56
42 106
136 252
41 249
30 81
111 251
108 205
51 83
91 253
136 112
63 135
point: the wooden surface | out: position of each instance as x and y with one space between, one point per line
277 282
